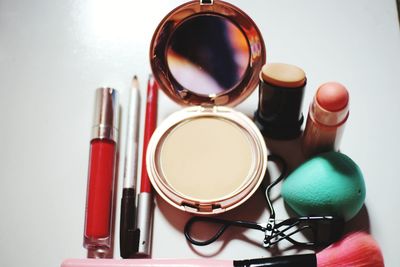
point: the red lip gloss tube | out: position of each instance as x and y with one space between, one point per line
326 119
102 164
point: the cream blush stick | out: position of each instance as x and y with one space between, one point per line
326 120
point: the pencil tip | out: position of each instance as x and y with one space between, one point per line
135 82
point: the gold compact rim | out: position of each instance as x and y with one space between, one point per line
185 96
226 202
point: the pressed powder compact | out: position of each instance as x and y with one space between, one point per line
207 158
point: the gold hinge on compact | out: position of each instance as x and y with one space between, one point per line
206 2
190 207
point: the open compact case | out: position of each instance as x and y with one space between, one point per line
207 158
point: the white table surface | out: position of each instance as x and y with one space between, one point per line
54 54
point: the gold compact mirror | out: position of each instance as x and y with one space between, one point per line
206 158
207 54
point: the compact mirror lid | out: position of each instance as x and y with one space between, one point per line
207 54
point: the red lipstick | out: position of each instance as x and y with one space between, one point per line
101 176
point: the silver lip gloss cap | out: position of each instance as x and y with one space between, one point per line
105 122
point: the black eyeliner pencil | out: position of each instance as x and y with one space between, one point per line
127 235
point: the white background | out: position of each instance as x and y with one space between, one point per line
54 54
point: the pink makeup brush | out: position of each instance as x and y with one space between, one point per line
357 249
354 250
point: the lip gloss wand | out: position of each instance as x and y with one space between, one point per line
128 236
145 201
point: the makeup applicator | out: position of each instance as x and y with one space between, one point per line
356 250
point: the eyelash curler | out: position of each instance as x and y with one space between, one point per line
322 230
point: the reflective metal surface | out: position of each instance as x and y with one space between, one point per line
208 54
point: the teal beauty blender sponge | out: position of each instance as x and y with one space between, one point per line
328 184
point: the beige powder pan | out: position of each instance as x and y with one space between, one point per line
206 162
207 158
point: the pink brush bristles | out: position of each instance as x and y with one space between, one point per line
354 250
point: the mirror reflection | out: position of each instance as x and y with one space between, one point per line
208 54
